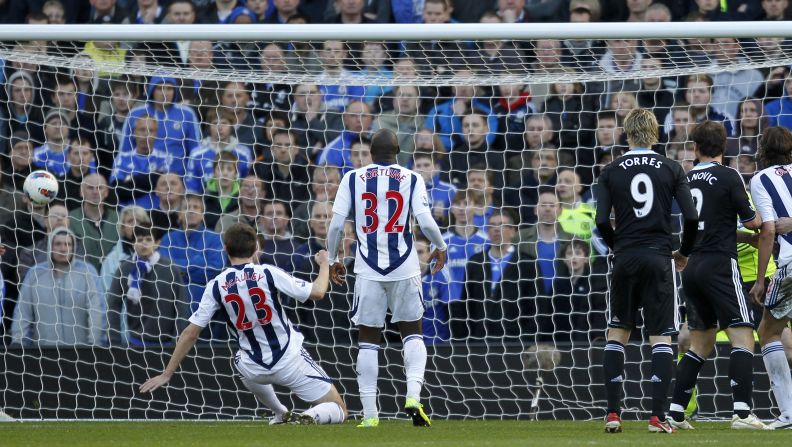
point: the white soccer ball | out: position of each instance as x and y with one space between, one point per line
41 187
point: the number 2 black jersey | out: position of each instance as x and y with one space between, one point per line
640 187
719 195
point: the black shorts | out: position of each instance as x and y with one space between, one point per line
644 280
714 295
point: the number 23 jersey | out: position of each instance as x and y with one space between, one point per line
641 186
382 201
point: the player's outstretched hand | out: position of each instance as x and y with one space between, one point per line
337 273
439 258
757 293
680 261
154 383
322 257
783 225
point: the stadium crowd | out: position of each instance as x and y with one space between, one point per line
153 170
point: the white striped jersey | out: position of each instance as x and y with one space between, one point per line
382 201
248 297
771 190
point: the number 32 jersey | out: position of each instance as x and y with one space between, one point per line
382 201
249 298
641 186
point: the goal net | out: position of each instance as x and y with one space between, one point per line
192 129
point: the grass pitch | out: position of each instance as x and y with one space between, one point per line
389 433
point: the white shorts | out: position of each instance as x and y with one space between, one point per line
372 300
299 373
777 303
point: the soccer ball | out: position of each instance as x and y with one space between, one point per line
40 187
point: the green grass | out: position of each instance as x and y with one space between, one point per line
389 433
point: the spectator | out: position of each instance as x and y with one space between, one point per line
548 55
436 295
130 217
576 312
147 12
273 122
435 57
565 108
543 242
337 97
106 53
428 141
21 113
464 240
79 162
197 251
622 58
404 120
682 126
178 133
222 190
698 96
512 11
350 12
440 193
512 106
236 98
445 118
261 9
201 92
95 223
166 202
374 58
539 170
304 267
582 53
779 111
284 10
500 289
219 11
731 87
123 94
106 11
147 290
55 12
278 247
622 103
53 155
750 124
286 176
360 153
304 56
357 122
495 56
136 173
539 134
19 161
324 184
608 138
250 199
479 182
637 9
57 217
177 12
270 96
200 166
473 149
775 10
654 93
577 217
48 314
312 126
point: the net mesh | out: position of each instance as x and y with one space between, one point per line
518 125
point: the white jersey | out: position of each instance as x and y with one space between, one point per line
248 297
771 191
383 201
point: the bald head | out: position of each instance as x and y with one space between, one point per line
384 145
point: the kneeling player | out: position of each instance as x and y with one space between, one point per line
713 291
270 350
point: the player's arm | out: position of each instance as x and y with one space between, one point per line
604 206
322 282
764 206
423 214
185 344
744 237
748 215
341 209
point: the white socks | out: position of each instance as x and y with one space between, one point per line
414 352
266 395
326 413
367 370
778 369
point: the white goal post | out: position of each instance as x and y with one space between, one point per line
495 117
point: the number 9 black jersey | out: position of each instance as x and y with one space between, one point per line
719 195
640 187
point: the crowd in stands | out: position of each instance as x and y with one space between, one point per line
152 170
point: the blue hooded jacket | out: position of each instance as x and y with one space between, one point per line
178 129
199 253
442 121
779 112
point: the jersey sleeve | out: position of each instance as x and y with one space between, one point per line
762 200
294 287
420 199
740 198
682 194
343 200
604 203
208 306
